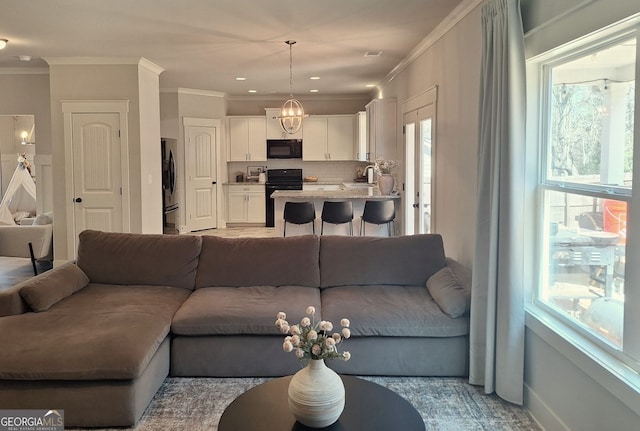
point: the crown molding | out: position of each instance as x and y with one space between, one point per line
315 97
461 11
196 92
150 65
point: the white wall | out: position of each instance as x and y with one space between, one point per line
452 63
104 82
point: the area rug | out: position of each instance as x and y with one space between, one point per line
445 404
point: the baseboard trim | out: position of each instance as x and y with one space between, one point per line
541 412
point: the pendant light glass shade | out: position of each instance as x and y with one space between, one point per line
292 112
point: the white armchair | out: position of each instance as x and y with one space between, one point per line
32 241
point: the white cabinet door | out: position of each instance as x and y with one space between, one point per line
256 207
246 204
257 139
340 132
314 139
238 139
360 144
236 207
381 128
274 130
247 139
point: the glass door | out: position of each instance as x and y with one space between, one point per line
419 145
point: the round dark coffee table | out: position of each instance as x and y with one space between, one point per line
368 406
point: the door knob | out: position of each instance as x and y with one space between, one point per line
77 200
214 182
416 205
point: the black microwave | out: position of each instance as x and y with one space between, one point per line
284 148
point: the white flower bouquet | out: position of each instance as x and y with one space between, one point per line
384 166
312 340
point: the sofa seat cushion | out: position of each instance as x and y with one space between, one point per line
390 311
245 262
242 310
402 260
99 333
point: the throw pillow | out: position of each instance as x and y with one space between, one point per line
450 295
53 286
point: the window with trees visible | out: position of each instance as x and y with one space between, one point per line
585 190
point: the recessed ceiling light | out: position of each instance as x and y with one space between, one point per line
253 91
3 43
371 85
313 91
314 78
373 53
241 78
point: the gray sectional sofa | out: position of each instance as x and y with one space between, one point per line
98 337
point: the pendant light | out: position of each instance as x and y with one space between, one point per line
292 112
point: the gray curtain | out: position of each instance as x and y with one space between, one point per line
497 305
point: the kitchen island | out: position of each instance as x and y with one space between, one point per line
358 194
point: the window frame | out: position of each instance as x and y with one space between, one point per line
539 87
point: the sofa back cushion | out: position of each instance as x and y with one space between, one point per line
404 260
139 259
236 262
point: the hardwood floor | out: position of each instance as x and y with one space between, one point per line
15 270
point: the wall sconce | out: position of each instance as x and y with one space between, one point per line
3 43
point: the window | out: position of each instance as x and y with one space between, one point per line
585 190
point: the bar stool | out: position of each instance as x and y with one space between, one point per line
378 212
299 213
337 213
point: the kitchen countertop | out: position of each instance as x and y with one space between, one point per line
357 193
243 183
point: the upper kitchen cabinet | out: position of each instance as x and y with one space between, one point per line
247 139
360 142
328 137
381 128
274 130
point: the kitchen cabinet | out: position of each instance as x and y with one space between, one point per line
328 137
247 139
274 130
381 128
360 142
246 204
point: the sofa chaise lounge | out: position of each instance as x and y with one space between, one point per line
97 337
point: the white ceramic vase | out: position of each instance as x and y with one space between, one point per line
316 395
385 183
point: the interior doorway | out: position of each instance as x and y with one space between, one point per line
97 179
419 134
201 177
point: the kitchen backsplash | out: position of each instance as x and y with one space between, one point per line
325 171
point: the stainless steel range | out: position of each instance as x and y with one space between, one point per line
280 179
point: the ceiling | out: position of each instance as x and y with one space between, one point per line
206 44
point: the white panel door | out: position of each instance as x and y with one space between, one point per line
97 179
201 178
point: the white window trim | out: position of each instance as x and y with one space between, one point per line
586 352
